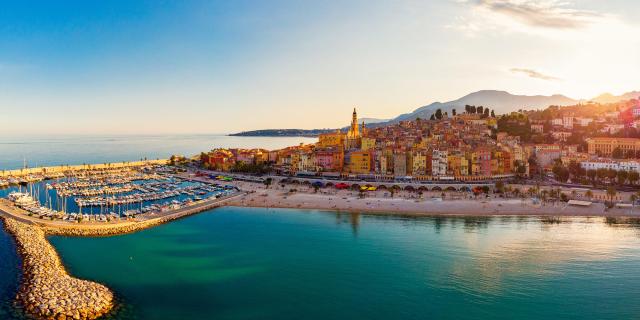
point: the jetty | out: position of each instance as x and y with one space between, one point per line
53 170
47 291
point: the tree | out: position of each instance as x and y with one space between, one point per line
486 113
543 195
438 114
575 169
267 182
433 117
560 172
592 175
564 197
602 174
617 153
469 109
453 112
589 194
499 187
479 109
493 114
622 177
611 192
634 176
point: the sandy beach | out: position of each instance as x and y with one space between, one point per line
410 203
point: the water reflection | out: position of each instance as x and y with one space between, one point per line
353 218
486 253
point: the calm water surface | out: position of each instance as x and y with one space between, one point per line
241 263
57 150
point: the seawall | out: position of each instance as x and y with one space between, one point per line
47 291
63 168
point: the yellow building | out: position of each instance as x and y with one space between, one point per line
368 144
473 162
605 146
295 162
458 164
464 166
335 139
360 162
419 164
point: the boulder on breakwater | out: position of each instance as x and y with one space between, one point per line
47 291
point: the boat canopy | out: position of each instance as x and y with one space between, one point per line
579 203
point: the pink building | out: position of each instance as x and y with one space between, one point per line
325 160
484 156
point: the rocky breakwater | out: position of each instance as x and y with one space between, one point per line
47 291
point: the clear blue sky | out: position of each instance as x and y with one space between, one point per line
223 66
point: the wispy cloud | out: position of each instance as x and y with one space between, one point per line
552 14
534 74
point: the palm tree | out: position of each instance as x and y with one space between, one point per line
611 192
267 182
544 195
634 176
589 194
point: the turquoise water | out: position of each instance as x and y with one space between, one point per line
9 275
243 263
56 150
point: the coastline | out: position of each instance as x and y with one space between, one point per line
47 291
408 204
95 300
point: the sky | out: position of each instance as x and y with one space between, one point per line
126 67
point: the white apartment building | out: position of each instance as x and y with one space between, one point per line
439 164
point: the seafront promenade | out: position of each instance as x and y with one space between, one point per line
64 168
47 291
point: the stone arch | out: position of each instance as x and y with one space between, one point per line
450 188
436 188
409 188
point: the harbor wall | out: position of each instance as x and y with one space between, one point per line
63 168
47 290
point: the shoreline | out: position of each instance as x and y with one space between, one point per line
47 290
408 204
95 300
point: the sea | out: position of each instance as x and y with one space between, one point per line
35 150
257 263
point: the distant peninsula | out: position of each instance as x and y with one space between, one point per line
283 133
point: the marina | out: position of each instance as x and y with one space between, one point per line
105 195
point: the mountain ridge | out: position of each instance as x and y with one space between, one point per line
498 100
